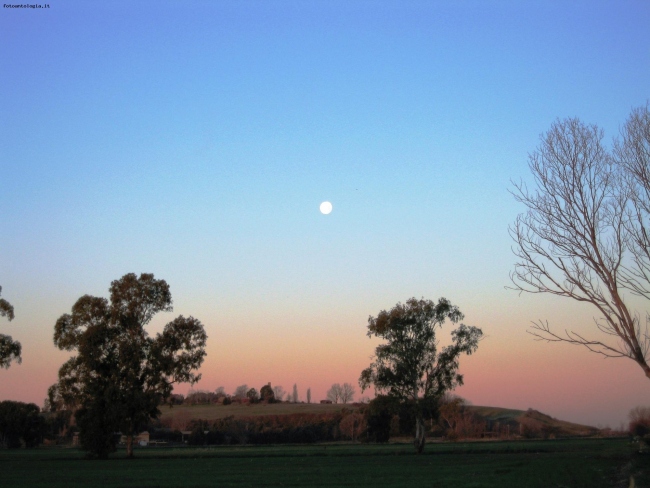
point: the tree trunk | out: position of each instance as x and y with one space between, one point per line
644 366
129 440
129 445
420 431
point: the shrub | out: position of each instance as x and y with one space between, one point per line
530 428
379 415
640 421
20 423
352 426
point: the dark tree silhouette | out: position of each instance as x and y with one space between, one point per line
9 349
20 423
409 366
266 394
120 375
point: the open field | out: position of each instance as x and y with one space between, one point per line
569 463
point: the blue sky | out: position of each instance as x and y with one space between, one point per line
196 140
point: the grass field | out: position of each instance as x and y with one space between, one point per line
558 463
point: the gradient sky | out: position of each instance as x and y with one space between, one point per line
196 140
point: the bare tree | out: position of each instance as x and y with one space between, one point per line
347 392
574 239
308 395
294 396
279 393
353 425
632 153
334 393
240 392
9 349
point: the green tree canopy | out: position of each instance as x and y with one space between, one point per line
120 374
409 365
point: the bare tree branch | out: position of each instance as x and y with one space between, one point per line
584 235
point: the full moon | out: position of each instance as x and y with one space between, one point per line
325 208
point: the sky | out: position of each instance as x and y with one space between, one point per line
196 140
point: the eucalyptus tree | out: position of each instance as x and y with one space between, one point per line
9 349
409 366
120 374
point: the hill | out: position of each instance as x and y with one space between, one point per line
517 420
216 411
532 420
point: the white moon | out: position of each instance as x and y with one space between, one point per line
325 208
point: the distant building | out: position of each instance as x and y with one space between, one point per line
326 401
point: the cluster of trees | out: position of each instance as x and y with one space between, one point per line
120 374
24 424
457 421
268 429
341 393
640 422
21 424
266 394
384 417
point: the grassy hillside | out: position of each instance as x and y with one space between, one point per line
214 412
496 413
534 418
504 416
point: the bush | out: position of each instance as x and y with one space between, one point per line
379 415
530 428
352 426
640 421
268 429
20 424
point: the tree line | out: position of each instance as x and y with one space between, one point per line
120 375
242 394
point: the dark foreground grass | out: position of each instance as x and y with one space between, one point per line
558 463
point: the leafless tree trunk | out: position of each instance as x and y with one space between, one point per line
129 441
420 434
575 239
334 393
347 392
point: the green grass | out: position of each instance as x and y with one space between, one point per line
568 463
